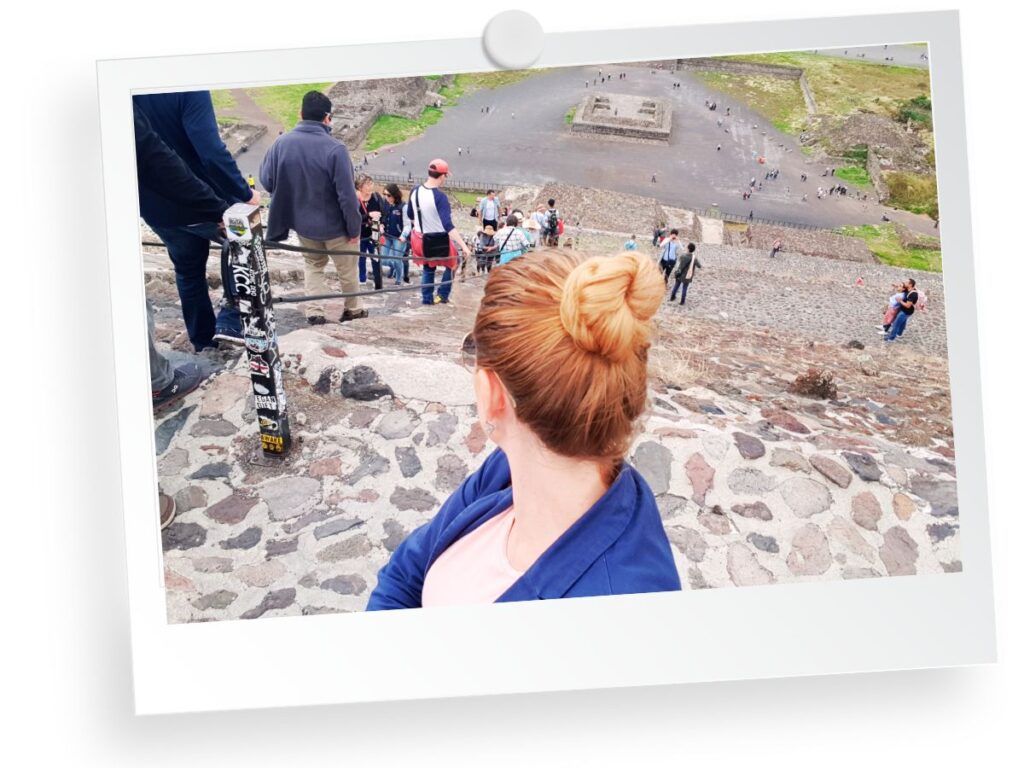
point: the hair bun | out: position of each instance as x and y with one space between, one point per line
607 304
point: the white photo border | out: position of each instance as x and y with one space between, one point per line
669 638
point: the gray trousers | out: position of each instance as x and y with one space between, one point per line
161 374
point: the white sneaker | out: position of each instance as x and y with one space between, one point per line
880 327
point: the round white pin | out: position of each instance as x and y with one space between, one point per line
513 39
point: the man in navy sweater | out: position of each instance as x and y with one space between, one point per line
186 123
309 174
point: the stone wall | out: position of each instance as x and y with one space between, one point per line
810 242
874 167
593 208
358 103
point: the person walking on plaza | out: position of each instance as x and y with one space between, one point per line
669 254
186 123
688 262
906 309
489 208
309 174
432 227
371 205
395 225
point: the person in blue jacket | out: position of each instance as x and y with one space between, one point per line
559 355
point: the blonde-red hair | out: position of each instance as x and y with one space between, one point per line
568 336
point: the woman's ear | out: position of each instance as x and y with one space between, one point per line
491 400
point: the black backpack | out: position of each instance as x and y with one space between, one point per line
552 221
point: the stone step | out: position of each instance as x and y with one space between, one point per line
712 230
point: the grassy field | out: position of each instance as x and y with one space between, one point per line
841 87
781 101
570 115
466 198
282 102
223 100
911 192
854 174
390 129
884 242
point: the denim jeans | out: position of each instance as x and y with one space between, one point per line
368 245
397 266
189 249
444 290
897 326
680 284
161 374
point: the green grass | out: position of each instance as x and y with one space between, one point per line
475 81
570 115
226 120
466 198
911 192
390 129
223 100
854 174
884 242
841 87
432 77
779 100
282 102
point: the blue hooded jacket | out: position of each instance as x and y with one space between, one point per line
618 547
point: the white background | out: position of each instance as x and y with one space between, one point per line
64 599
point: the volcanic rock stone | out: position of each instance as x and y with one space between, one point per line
763 543
261 574
866 511
860 573
785 420
834 471
809 555
941 494
940 531
701 476
326 467
670 506
898 552
396 425
716 523
211 471
863 465
371 464
395 534
349 584
362 383
747 480
903 506
783 457
408 461
247 539
755 511
188 498
440 430
413 498
289 497
278 547
335 526
170 427
232 509
805 496
213 428
219 600
654 462
349 549
695 578
845 534
273 601
749 447
183 536
689 542
744 569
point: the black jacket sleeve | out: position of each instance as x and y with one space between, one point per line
161 170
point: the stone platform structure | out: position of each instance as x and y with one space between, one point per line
619 115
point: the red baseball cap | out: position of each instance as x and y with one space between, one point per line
438 166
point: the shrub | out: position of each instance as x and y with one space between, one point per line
815 383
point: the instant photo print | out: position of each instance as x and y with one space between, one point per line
599 359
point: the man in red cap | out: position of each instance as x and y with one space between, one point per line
431 215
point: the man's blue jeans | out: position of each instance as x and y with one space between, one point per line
684 285
189 249
444 290
897 326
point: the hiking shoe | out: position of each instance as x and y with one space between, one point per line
166 510
880 327
349 314
229 336
316 319
186 379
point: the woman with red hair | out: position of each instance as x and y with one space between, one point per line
559 352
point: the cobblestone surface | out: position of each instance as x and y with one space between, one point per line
756 485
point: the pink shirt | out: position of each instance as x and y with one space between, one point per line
475 569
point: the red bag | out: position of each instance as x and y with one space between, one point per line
561 226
